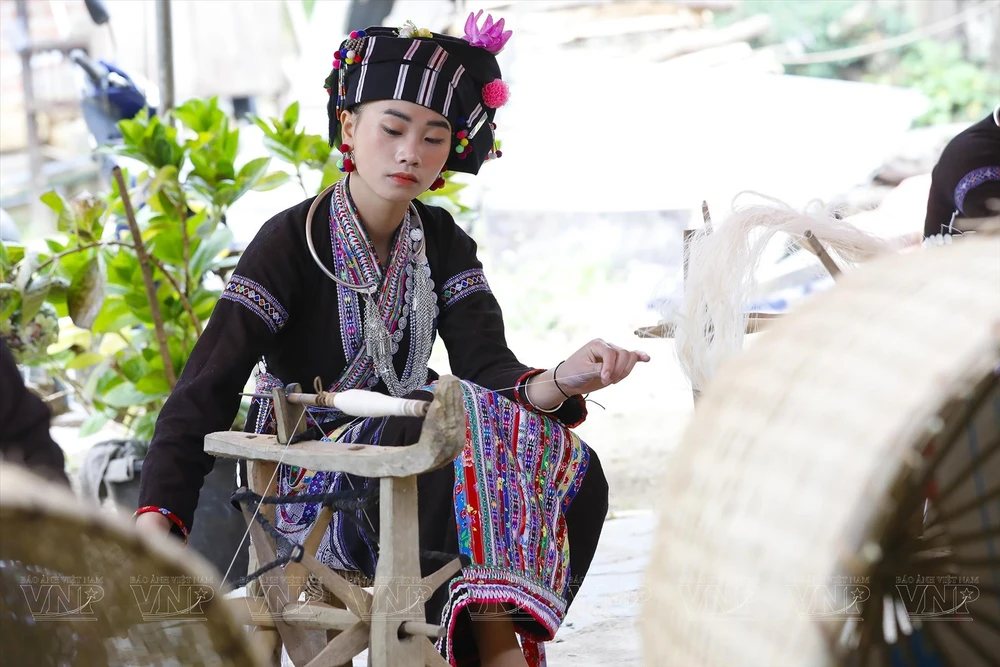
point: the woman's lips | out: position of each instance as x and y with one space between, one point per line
403 179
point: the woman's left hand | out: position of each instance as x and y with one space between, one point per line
595 366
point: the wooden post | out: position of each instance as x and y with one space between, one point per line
165 54
399 594
289 418
35 162
259 475
685 245
823 255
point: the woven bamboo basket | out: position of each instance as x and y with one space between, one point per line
836 497
79 587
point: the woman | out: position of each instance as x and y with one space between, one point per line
965 179
353 286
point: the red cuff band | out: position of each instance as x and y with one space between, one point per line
167 513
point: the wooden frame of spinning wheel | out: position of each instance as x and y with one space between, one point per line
755 321
349 619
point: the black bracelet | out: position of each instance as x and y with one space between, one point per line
554 381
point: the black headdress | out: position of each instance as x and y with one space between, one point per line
459 80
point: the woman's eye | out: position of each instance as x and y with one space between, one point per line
391 132
436 142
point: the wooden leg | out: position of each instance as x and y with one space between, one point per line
334 601
260 474
307 643
302 645
399 594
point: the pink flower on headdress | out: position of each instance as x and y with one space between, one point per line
491 36
495 94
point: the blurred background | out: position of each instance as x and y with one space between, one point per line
624 117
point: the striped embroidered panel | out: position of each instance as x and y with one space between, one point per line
258 300
462 285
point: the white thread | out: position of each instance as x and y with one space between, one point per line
709 317
257 510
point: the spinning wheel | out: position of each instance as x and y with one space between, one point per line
836 498
344 619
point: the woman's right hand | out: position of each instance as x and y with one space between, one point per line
153 522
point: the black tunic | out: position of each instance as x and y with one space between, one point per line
966 176
292 322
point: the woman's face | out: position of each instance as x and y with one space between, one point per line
399 147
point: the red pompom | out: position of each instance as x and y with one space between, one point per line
348 164
461 134
499 153
344 149
495 94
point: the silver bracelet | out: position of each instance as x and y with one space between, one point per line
528 399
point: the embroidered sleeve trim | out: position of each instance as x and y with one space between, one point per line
973 179
462 285
258 300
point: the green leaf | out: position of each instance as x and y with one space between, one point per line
101 379
24 271
55 246
291 116
65 220
317 152
331 174
252 172
168 246
154 384
164 175
209 249
225 194
89 212
93 424
10 300
33 298
227 263
144 426
86 294
125 395
308 6
85 360
272 181
134 368
280 150
14 252
139 305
